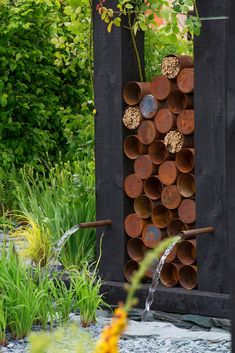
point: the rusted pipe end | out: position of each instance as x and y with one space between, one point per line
147 132
158 152
170 197
168 172
161 87
133 147
185 80
143 206
185 160
172 64
134 91
178 101
175 227
160 216
186 184
187 211
130 268
153 187
187 252
192 233
148 106
136 249
144 167
169 275
185 122
164 121
188 277
134 225
133 186
151 236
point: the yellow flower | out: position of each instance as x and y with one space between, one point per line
108 341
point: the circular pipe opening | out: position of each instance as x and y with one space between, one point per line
153 187
185 160
188 277
133 148
132 93
133 186
133 225
151 236
175 227
143 206
186 252
169 275
136 249
160 216
158 152
186 185
130 268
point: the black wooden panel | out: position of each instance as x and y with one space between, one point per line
114 65
210 148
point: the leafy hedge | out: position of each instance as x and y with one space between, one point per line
45 87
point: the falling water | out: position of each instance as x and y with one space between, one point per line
59 245
156 277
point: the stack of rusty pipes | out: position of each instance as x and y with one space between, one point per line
160 118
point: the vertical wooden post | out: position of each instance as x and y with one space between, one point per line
210 138
114 65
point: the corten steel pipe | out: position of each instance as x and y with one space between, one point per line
136 249
185 160
186 185
161 87
187 252
153 187
185 80
151 236
175 227
164 121
172 256
144 167
178 101
160 216
185 122
175 141
172 64
147 132
148 106
143 206
95 224
168 172
133 186
171 197
150 272
133 92
133 147
169 275
188 277
192 233
134 225
130 268
187 211
158 152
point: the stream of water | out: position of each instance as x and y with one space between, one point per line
156 277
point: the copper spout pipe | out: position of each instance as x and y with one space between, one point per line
148 106
158 152
130 268
187 211
144 167
160 216
188 277
95 224
133 186
161 87
151 236
168 172
172 64
164 121
136 249
134 225
133 92
150 272
133 147
185 122
175 226
143 206
192 233
153 187
147 132
170 274
187 252
178 101
186 185
185 80
185 160
170 197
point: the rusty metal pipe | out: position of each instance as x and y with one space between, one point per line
151 236
143 206
133 147
144 167
164 120
185 80
153 187
192 233
136 249
187 211
133 186
185 160
158 152
172 64
185 122
187 252
95 224
168 172
134 91
178 101
134 225
130 268
147 132
186 184
175 226
170 197
169 275
175 141
161 87
188 277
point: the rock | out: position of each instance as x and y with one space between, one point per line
202 321
225 324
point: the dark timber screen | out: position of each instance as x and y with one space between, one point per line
115 64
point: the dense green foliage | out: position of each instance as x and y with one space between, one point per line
45 87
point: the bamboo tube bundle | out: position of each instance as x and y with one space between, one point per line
132 118
172 65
